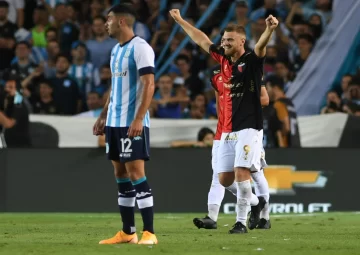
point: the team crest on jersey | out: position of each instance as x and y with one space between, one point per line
127 53
241 67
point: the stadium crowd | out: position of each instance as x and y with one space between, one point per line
55 53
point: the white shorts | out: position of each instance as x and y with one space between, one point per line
214 155
243 148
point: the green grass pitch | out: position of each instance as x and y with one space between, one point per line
33 233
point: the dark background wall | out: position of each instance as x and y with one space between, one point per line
81 180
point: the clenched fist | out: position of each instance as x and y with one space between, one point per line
271 22
175 13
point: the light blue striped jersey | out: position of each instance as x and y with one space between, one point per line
128 62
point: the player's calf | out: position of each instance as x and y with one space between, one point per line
244 192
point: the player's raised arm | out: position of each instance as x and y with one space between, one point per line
199 37
260 47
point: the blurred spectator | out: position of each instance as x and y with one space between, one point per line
316 25
51 34
30 84
66 91
44 104
285 111
192 82
94 104
270 59
198 108
333 103
353 92
14 119
101 45
16 12
272 128
283 71
166 104
7 36
305 44
269 6
52 51
86 75
23 66
345 80
105 80
205 138
38 32
241 19
352 108
68 31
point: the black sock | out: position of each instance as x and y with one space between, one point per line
145 203
126 201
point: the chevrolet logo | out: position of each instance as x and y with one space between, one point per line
283 178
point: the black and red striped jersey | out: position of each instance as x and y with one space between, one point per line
242 89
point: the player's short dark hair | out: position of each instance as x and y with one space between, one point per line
4 4
100 17
182 57
235 28
275 81
203 132
123 8
62 55
306 37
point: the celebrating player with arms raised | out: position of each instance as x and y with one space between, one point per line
240 147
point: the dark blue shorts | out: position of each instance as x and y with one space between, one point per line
120 147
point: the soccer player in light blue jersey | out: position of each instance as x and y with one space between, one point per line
125 121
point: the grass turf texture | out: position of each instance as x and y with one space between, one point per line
331 233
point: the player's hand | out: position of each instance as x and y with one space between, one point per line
135 128
175 14
99 126
271 22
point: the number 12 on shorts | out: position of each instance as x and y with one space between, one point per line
125 145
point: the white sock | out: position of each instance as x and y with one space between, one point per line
262 190
213 211
254 199
265 213
232 188
215 197
243 200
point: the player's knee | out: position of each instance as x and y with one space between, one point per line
226 179
135 169
242 174
120 170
